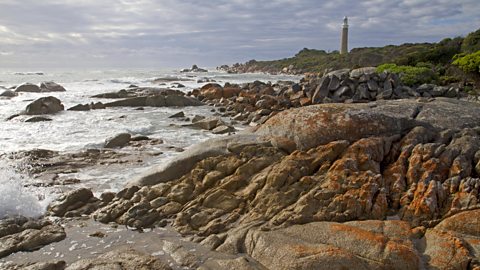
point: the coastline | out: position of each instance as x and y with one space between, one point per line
322 162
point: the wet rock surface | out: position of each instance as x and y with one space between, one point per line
23 234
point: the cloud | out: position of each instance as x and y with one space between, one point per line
172 33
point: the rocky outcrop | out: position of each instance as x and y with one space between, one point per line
23 234
385 185
44 105
194 68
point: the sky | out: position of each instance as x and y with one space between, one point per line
179 33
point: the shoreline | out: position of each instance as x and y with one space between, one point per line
320 171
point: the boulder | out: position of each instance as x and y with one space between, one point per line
357 73
44 105
51 87
207 123
71 201
7 93
119 140
321 91
223 129
28 87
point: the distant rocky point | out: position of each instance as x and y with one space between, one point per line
194 68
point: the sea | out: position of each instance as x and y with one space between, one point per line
74 131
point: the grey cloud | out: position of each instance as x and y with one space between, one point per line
148 33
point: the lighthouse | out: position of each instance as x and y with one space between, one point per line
344 42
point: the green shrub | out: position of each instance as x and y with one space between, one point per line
410 75
471 43
468 62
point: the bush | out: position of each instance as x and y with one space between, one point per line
471 43
468 62
410 75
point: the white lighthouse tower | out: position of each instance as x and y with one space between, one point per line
344 42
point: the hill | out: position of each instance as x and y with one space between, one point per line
438 57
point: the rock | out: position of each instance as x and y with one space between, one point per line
51 87
331 122
327 245
357 73
197 118
321 91
37 119
156 101
342 92
207 123
334 83
123 258
120 94
372 85
177 115
44 105
7 93
341 73
223 129
425 87
119 140
184 162
28 87
194 68
79 107
452 92
439 91
54 265
215 91
445 251
72 201
241 263
22 234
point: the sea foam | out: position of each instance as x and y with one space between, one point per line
15 199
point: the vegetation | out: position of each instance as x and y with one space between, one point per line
468 62
448 61
411 75
471 43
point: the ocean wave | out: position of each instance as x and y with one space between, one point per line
15 199
29 73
